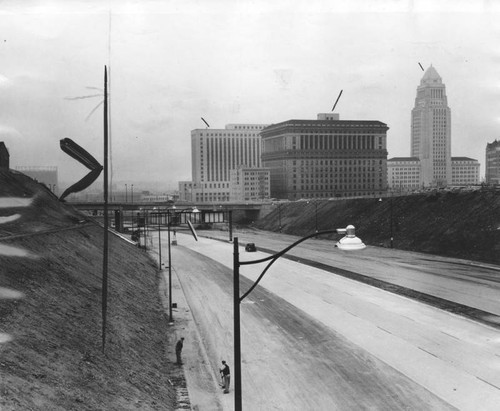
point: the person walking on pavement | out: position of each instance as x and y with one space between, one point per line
178 350
226 376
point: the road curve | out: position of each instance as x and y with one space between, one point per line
291 361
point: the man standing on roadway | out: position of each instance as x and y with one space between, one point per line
178 350
226 376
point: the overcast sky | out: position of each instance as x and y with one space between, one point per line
173 62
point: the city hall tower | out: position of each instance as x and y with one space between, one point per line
431 130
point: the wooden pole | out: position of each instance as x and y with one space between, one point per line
106 222
170 317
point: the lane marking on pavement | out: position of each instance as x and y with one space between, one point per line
428 352
489 383
449 335
456 308
383 329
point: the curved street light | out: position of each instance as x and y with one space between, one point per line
315 202
348 242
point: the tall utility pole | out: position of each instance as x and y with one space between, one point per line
110 139
106 222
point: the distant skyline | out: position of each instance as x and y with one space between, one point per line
174 62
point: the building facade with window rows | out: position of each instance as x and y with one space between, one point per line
464 171
404 174
250 184
326 158
214 153
431 130
492 168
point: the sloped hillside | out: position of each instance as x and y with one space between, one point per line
40 210
50 312
456 224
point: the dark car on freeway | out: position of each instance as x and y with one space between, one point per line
250 247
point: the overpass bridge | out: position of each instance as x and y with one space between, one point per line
164 206
137 213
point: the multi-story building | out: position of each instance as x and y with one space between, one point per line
431 130
326 158
43 174
403 174
250 184
464 171
214 153
186 190
492 172
431 164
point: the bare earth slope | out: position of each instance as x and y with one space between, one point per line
50 312
454 224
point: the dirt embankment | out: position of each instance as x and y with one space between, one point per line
455 224
50 313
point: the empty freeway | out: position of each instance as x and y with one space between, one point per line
312 339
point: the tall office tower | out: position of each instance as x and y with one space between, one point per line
492 172
214 153
326 158
431 130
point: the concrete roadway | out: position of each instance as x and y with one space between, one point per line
313 340
471 284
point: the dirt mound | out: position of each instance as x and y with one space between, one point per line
39 207
50 312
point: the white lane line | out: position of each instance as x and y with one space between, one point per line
383 329
428 352
450 335
487 382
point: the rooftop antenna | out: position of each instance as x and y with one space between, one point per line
421 66
205 122
336 101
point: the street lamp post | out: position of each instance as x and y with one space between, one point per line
169 221
348 242
390 220
145 230
132 199
169 217
126 193
279 217
227 216
316 215
315 202
159 242
170 317
392 235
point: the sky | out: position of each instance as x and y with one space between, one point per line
233 61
